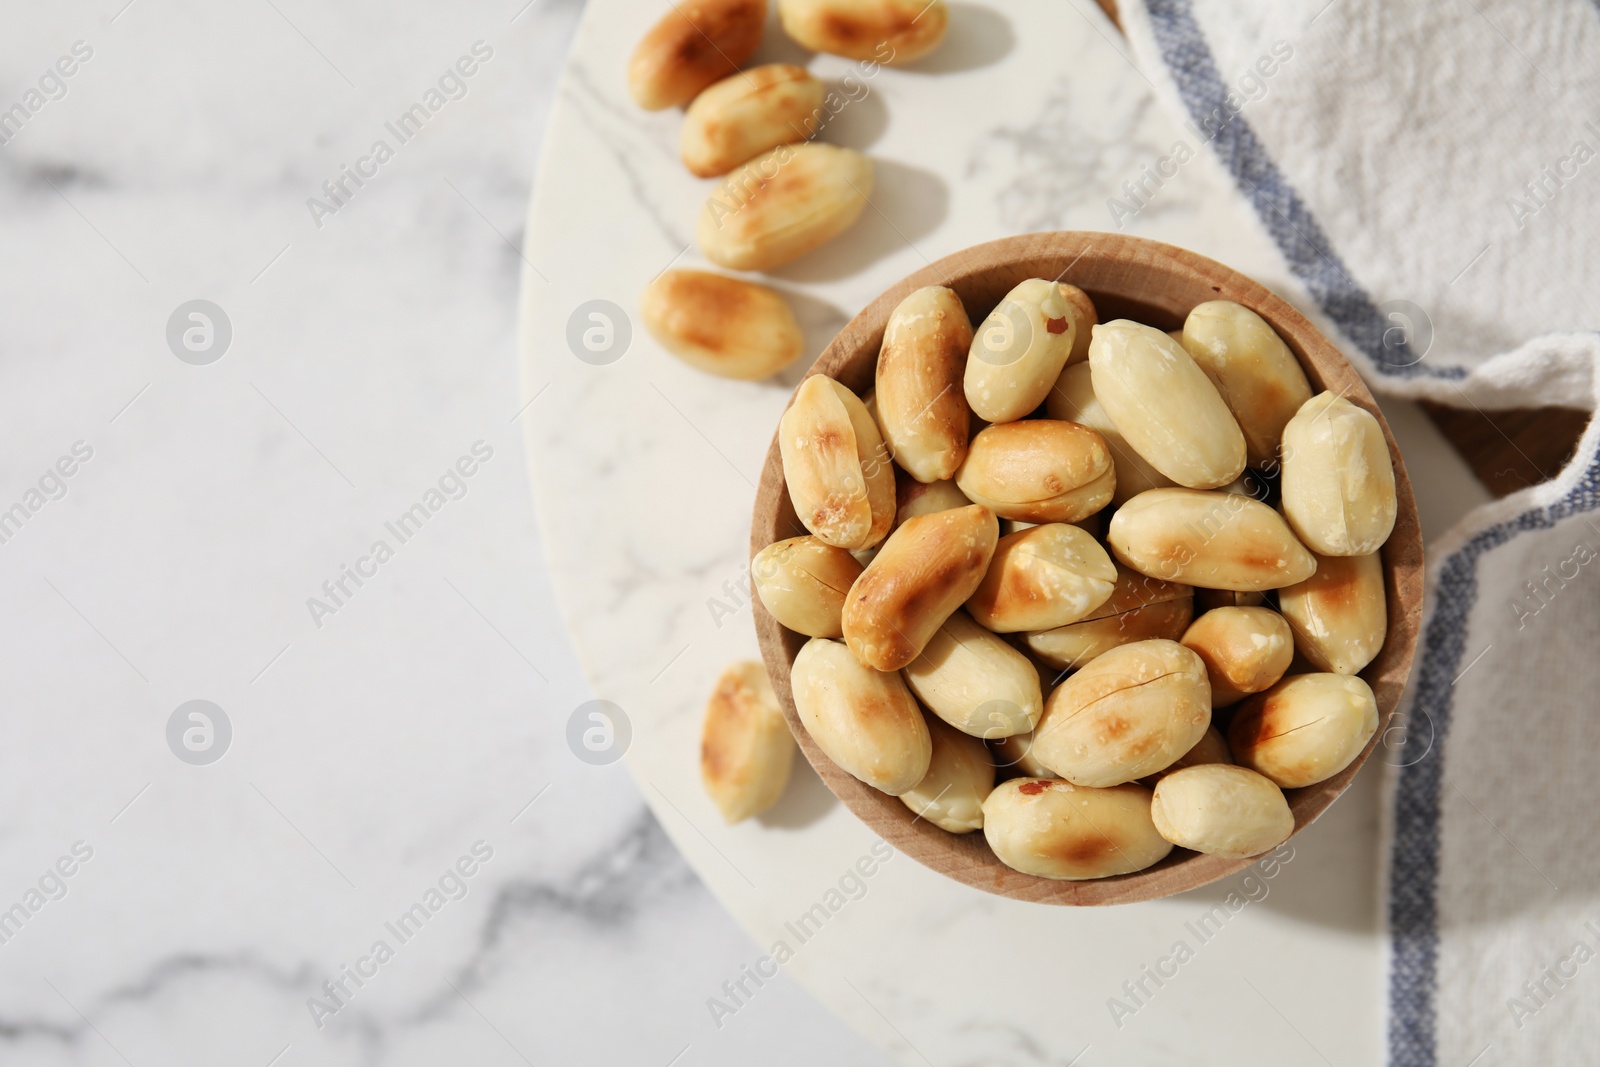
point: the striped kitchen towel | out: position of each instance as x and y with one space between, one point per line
1429 174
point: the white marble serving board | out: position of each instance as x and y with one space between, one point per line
1028 118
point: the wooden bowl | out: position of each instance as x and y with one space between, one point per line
1152 283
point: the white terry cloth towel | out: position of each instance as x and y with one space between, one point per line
1429 173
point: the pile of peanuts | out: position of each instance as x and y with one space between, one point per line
1170 528
781 194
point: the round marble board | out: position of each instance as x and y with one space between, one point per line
1028 118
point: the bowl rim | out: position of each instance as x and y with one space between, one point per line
1094 261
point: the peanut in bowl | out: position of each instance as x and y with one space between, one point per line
1358 624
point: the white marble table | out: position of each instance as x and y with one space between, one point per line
427 713
644 471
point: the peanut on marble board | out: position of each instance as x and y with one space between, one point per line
781 192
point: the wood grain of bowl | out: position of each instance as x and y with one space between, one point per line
1149 282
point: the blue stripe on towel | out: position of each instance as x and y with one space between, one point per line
1299 237
1414 861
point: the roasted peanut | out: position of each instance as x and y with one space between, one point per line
890 32
1305 729
913 498
802 581
746 114
746 748
1245 650
1040 470
1017 352
1257 375
866 721
1339 614
1126 714
975 681
1073 400
1054 829
1134 590
1211 748
721 325
1221 811
1015 754
920 406
782 204
1338 479
1043 577
1165 406
838 471
1215 540
960 775
923 573
694 44
1140 608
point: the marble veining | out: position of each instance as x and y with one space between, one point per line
1065 148
636 153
